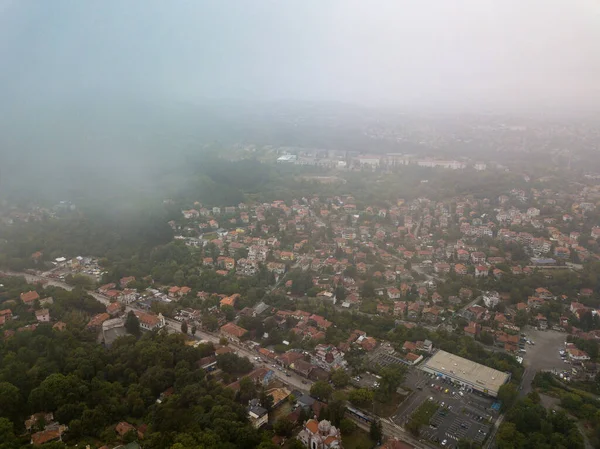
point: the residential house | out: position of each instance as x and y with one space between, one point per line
42 315
383 309
5 315
328 357
474 313
97 320
541 321
113 309
233 332
288 358
30 297
460 269
462 255
413 310
127 296
302 367
106 287
321 322
431 314
412 358
441 267
125 281
393 293
367 343
478 257
543 293
399 308
472 330
257 415
577 355
150 321
481 271
465 293
534 302
48 435
409 346
123 428
208 363
230 300
59 326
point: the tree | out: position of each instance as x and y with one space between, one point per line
347 426
9 400
247 390
194 329
283 427
521 318
361 397
229 312
336 407
392 377
184 327
266 400
508 394
508 437
132 324
234 364
340 378
376 431
210 323
321 390
7 435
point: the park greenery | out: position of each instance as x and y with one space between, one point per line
528 424
91 388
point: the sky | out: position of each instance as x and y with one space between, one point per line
465 54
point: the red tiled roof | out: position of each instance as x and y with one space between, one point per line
45 436
233 329
29 297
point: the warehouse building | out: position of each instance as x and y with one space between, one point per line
466 373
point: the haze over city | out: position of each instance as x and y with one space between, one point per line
319 224
504 56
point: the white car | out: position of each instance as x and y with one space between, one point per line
444 442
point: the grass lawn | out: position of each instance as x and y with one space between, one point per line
359 439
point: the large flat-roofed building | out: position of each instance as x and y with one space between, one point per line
473 375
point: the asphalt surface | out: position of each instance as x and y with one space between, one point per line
541 356
468 416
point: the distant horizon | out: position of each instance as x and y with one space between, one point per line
501 57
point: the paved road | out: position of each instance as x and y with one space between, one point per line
392 430
174 326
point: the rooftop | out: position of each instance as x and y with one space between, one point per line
472 372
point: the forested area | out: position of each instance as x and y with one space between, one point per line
529 425
91 389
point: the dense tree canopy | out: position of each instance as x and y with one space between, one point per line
91 388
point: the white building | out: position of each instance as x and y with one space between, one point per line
320 435
491 299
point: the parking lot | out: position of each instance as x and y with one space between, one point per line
543 355
452 426
462 414
366 380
